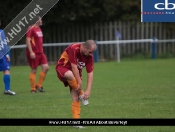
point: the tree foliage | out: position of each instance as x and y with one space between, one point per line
95 10
86 11
9 9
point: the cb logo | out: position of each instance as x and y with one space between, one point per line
165 6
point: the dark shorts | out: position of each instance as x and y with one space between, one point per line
4 65
39 60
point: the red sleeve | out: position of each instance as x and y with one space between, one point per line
72 52
90 64
29 32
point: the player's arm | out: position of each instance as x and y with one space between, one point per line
8 57
6 48
77 75
89 69
89 85
28 42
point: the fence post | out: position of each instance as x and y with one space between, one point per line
96 53
117 46
154 48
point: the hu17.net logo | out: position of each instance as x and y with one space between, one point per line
157 10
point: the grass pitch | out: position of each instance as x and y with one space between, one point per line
129 89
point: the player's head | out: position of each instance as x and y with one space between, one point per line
89 47
37 20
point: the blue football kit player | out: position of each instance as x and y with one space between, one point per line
4 63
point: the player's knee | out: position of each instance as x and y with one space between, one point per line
69 75
45 68
33 71
6 72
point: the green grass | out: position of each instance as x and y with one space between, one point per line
129 89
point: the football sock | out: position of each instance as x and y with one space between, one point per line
41 78
73 83
32 78
81 92
76 110
7 81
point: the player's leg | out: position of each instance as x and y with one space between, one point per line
32 78
45 67
75 104
72 81
33 63
4 66
75 96
6 79
73 84
76 109
67 77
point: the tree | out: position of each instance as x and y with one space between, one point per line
94 10
9 9
86 11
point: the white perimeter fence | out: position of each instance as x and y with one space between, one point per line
115 47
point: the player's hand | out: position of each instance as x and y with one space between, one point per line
86 95
8 58
32 55
79 88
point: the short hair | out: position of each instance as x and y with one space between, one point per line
89 43
35 19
